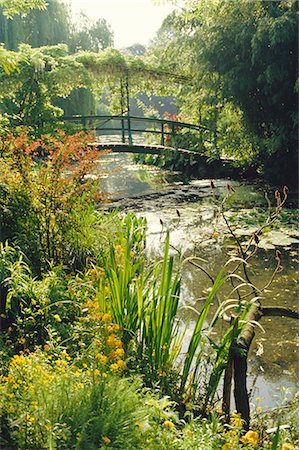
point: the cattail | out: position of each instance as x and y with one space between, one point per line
278 198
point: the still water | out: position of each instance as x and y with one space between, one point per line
188 210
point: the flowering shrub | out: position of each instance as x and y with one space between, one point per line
43 185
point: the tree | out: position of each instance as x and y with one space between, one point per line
37 28
244 54
253 47
13 7
9 60
90 36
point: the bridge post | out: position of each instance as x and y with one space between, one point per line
129 129
123 136
173 136
162 134
83 120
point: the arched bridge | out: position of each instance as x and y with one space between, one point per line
126 133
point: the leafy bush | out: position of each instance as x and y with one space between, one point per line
52 403
44 184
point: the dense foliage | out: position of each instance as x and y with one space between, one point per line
242 57
92 344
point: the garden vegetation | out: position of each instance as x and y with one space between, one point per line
94 353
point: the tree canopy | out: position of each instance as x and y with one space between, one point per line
242 57
15 7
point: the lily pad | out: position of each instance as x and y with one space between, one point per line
277 238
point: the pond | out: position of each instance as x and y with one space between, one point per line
189 210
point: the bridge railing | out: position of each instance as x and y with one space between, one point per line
136 130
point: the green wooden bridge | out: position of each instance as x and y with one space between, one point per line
126 133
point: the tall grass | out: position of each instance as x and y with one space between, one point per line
144 300
159 338
196 346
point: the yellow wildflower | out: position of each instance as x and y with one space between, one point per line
112 328
106 439
139 424
287 446
106 318
57 317
112 341
168 424
96 372
119 352
236 420
251 437
114 367
102 358
226 446
121 364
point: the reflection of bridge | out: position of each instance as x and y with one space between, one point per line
125 133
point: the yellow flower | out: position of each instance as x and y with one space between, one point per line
119 352
168 424
57 317
106 439
121 364
236 420
102 358
106 318
113 328
287 446
114 367
96 372
226 447
112 341
251 437
139 424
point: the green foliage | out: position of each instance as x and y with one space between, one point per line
12 7
54 404
89 35
242 59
